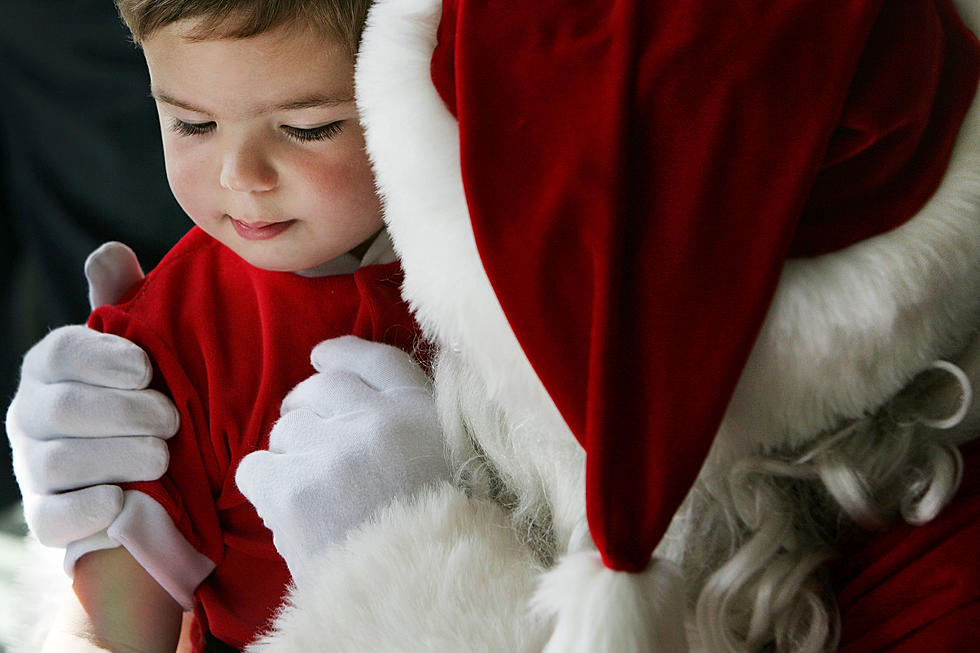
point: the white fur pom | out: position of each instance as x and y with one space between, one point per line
598 610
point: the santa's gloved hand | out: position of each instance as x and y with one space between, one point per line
80 390
360 432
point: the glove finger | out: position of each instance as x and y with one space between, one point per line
67 464
254 475
111 270
77 353
72 409
294 497
382 367
269 481
58 519
330 393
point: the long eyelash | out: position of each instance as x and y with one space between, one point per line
184 128
324 132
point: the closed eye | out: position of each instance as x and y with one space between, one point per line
184 128
306 135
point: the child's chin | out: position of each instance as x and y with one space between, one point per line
272 264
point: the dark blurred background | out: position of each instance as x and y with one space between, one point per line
80 164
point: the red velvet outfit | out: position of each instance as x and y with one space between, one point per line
228 341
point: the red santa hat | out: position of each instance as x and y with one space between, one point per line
638 173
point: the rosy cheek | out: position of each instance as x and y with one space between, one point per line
345 188
188 182
350 173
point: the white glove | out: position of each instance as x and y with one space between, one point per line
352 437
79 390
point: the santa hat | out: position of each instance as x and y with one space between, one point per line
637 174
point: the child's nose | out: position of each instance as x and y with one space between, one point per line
245 169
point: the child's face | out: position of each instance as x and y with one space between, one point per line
262 143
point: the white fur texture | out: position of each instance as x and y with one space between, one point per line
440 574
597 610
849 329
845 332
413 142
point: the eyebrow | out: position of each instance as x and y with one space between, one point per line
308 102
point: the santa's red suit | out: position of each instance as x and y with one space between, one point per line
690 267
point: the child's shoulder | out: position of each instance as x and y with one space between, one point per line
196 265
189 280
195 249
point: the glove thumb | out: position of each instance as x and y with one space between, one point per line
111 270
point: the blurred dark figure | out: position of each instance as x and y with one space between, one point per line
80 164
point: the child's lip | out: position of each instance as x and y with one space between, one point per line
260 230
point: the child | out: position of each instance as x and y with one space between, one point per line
264 152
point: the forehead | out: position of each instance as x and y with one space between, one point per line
236 76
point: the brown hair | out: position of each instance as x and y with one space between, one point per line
238 19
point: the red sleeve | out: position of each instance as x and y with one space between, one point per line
187 474
917 589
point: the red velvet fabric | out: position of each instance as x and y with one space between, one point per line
893 140
916 590
228 341
638 171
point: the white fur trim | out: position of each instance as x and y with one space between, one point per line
413 142
849 329
440 573
597 610
845 330
969 11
